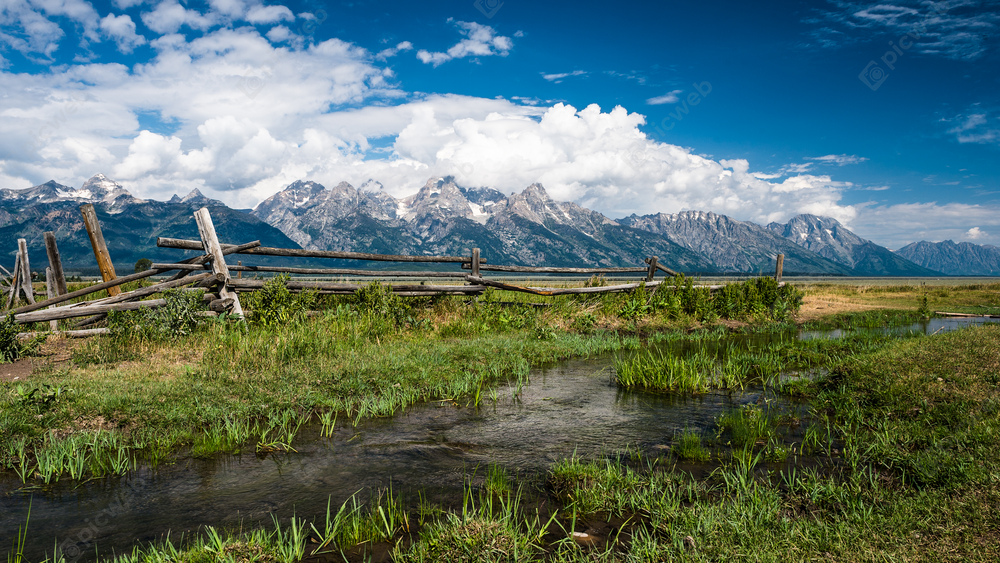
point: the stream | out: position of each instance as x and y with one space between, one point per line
570 408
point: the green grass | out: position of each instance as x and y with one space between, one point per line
659 370
688 446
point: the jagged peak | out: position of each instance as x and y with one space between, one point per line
195 194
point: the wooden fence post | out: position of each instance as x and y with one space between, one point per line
652 268
50 291
475 262
15 282
239 274
210 240
100 247
778 267
55 263
22 252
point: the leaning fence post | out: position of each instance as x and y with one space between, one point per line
475 262
15 282
210 240
50 292
652 268
22 253
55 263
100 247
778 267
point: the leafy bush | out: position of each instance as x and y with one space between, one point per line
11 347
177 318
380 301
275 304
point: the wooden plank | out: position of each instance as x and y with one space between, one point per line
555 270
966 315
666 270
55 263
220 305
14 283
652 268
318 271
302 253
71 312
474 265
350 287
86 291
163 286
551 291
778 268
25 285
205 257
66 333
51 292
100 247
210 242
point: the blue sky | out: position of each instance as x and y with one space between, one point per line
758 113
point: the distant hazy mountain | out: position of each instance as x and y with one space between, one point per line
445 219
130 225
734 246
828 238
961 259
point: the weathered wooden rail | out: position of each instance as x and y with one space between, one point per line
210 272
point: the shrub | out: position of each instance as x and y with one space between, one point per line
11 347
275 304
177 318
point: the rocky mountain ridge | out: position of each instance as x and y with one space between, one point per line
830 239
959 259
443 218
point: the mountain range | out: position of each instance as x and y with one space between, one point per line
526 228
961 259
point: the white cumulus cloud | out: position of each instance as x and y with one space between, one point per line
481 41
122 30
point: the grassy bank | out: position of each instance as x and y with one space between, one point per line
166 379
901 447
913 476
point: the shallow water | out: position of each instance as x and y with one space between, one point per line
928 328
571 408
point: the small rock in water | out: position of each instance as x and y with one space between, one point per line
580 535
689 543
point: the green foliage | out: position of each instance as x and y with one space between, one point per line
275 305
13 348
688 446
143 264
924 311
664 371
177 318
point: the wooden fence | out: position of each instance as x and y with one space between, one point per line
211 271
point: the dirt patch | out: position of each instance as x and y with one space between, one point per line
54 351
19 370
817 306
